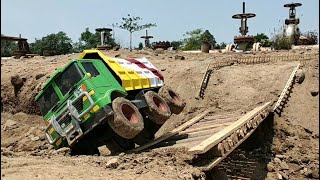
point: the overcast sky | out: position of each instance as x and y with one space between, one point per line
37 18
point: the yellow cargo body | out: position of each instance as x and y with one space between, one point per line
130 80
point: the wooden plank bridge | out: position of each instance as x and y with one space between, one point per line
215 136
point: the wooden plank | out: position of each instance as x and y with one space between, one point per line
217 150
173 132
240 178
166 136
191 122
219 159
191 135
190 130
218 116
205 119
195 138
286 87
198 95
201 133
208 123
219 136
187 144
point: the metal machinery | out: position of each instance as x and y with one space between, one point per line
105 35
291 24
161 44
23 46
243 41
146 40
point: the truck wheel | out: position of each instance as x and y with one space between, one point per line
158 111
173 99
118 144
127 121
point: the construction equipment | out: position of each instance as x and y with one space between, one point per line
97 99
146 40
23 46
243 41
291 24
105 36
161 44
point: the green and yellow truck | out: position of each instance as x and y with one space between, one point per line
96 99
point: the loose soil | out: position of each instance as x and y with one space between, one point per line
291 150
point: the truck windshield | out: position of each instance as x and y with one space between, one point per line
69 78
48 99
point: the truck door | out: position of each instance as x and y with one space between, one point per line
97 76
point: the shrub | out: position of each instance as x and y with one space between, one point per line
281 41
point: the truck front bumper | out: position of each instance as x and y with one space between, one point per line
75 129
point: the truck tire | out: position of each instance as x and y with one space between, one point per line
158 110
127 121
118 144
173 99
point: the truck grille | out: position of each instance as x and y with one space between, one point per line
64 120
78 104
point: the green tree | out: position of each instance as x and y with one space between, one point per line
222 45
208 37
89 40
8 48
263 39
58 43
176 44
78 46
195 38
260 37
131 24
140 46
192 40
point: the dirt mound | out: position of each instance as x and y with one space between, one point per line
289 148
295 151
23 139
165 161
230 89
21 80
157 164
237 88
22 134
296 139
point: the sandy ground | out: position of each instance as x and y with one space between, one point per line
292 148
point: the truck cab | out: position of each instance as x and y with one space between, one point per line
72 96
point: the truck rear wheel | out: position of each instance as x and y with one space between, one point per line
127 121
158 111
173 99
118 144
